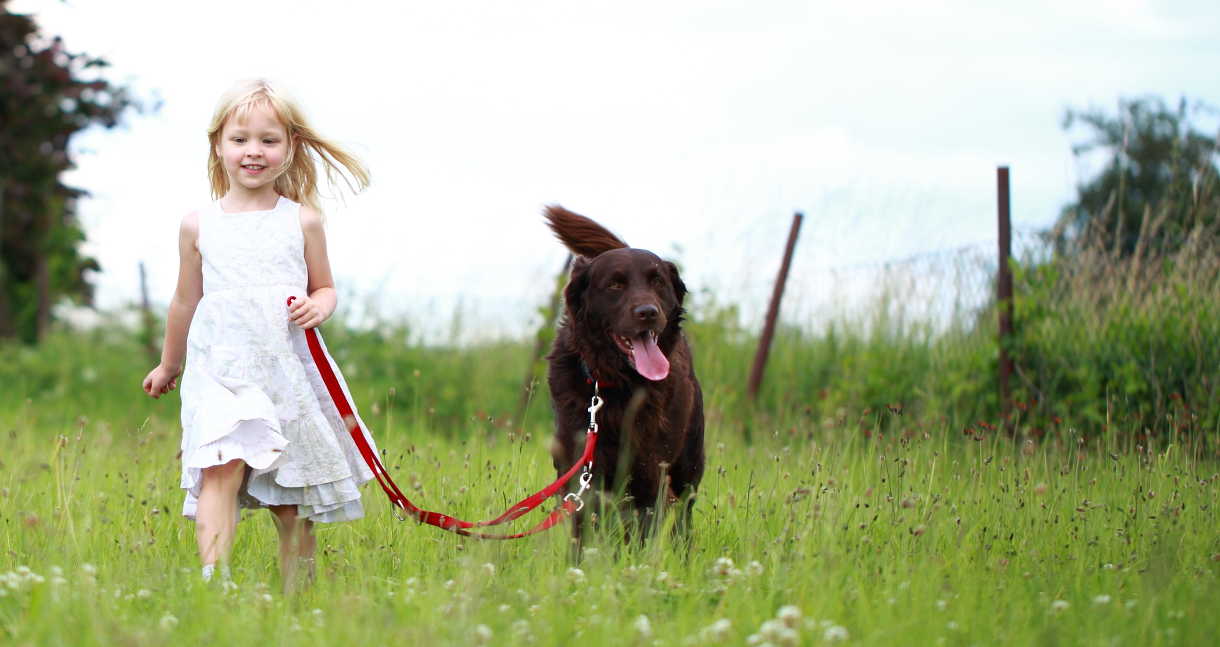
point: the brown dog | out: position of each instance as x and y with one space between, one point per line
622 329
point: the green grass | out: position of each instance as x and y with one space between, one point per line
904 537
869 492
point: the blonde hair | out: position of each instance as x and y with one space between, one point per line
298 178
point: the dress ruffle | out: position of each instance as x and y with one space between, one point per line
271 410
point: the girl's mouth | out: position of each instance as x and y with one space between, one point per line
253 169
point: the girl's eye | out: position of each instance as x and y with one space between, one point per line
270 141
239 140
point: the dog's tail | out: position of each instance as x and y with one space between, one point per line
580 234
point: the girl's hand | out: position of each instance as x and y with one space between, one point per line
305 312
160 381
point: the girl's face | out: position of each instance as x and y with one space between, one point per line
253 149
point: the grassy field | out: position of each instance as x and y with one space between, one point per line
868 496
822 533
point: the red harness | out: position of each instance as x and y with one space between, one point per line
571 502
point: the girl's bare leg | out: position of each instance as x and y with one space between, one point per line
216 512
297 545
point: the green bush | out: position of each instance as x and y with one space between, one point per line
1104 340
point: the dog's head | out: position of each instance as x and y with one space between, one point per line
625 303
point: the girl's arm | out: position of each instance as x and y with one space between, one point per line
163 378
320 304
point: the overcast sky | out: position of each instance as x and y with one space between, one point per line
693 128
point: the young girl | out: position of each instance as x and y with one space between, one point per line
259 427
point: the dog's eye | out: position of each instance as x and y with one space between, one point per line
616 284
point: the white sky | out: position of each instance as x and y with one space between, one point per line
692 128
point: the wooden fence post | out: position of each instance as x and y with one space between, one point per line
149 332
1004 290
764 342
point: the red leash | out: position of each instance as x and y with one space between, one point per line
571 502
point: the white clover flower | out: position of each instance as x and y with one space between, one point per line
643 627
941 604
952 626
168 621
576 575
228 586
717 631
88 569
521 627
56 571
1107 567
1101 599
589 551
143 594
490 569
57 580
534 609
24 571
1059 605
265 597
662 577
505 608
774 632
449 584
724 567
789 614
835 633
482 634
754 568
770 629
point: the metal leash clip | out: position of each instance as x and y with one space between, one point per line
586 478
586 475
594 406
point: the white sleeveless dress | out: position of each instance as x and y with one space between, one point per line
251 390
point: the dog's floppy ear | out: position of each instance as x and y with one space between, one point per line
578 282
676 281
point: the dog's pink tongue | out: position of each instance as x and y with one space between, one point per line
649 360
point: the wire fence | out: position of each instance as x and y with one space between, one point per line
939 288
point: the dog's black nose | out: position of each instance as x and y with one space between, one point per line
647 312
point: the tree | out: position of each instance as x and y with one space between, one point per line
1159 182
46 95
